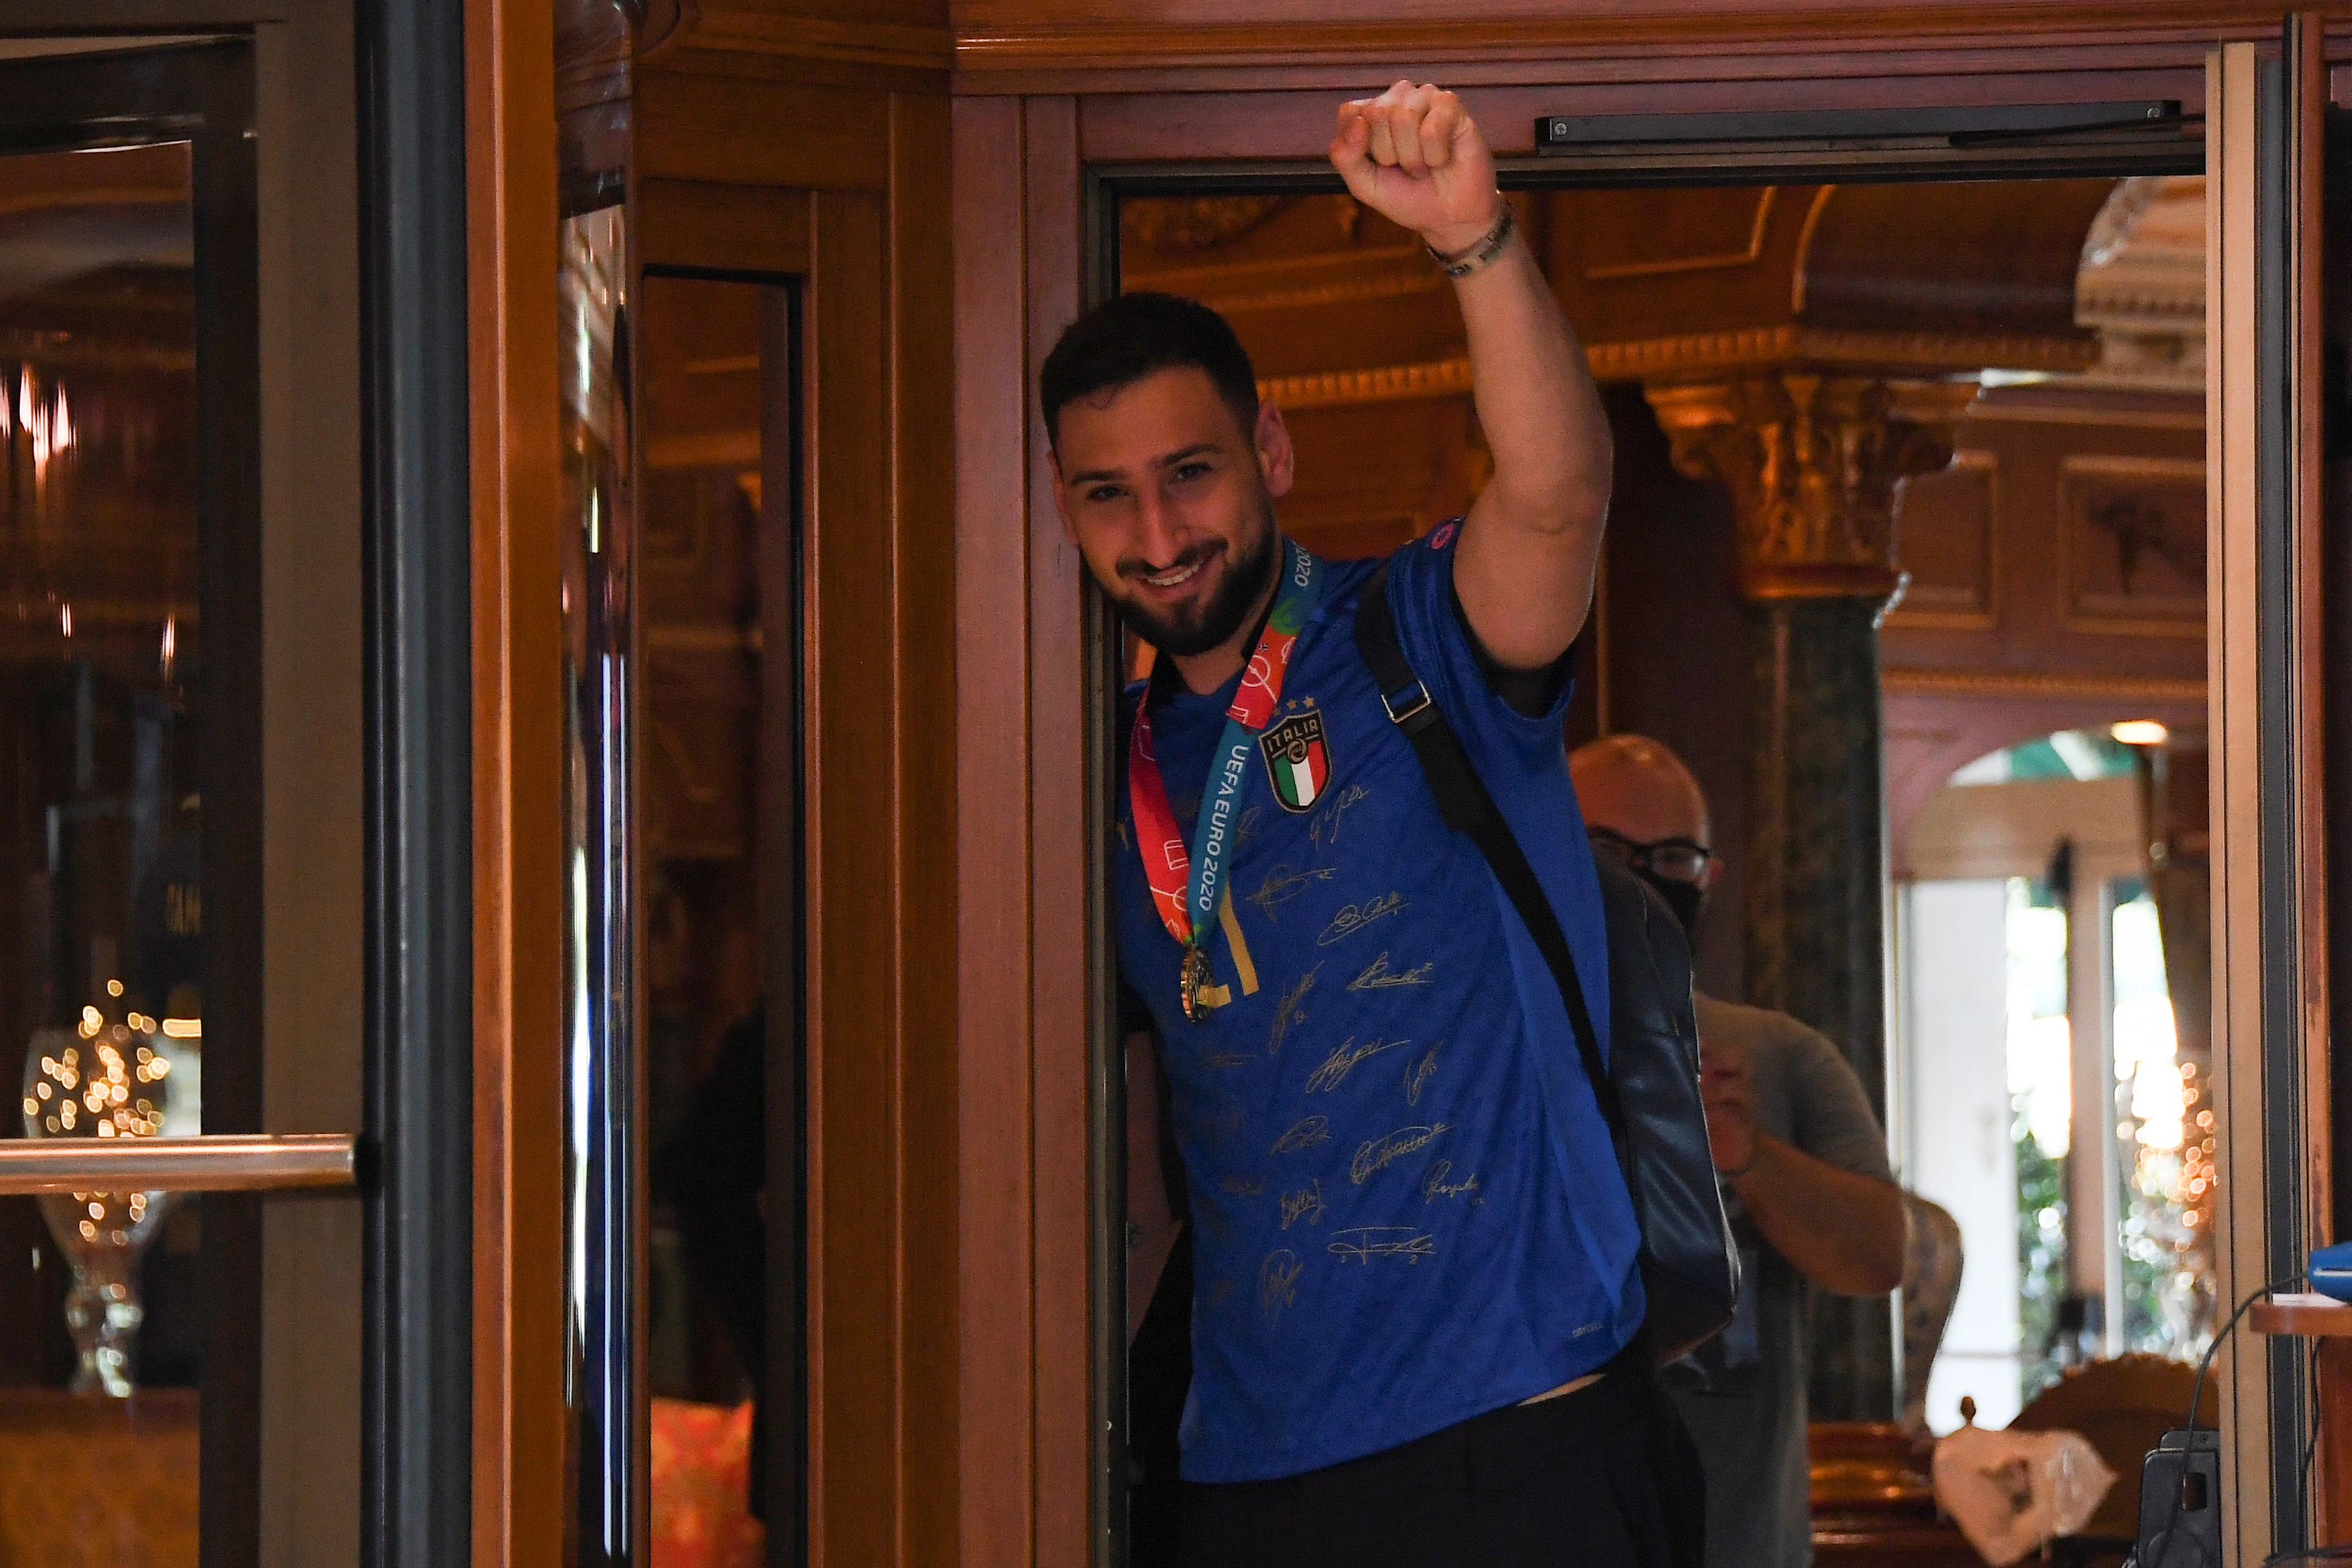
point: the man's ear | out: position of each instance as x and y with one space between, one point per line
1276 460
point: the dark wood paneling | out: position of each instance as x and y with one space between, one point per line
1674 642
854 1041
900 34
922 415
740 131
1066 41
722 227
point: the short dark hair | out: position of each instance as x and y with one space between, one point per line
1121 340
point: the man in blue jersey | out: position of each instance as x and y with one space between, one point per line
1417 1311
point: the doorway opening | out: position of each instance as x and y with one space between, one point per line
2015 354
2050 921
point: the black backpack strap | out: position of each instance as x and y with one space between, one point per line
1468 808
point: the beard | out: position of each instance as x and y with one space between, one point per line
1198 629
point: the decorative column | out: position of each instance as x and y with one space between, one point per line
1812 460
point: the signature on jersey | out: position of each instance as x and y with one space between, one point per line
1354 918
1367 1242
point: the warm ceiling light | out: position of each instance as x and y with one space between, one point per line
2140 732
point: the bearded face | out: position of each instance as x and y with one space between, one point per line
1170 500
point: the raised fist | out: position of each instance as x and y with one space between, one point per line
1414 156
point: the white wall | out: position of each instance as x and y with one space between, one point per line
1957 1147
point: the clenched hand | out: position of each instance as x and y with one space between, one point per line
1414 156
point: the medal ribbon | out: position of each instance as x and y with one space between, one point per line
1185 887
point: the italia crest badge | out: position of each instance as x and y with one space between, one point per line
1297 760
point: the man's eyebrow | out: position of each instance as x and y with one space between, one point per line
1094 475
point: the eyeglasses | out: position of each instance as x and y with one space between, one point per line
1677 859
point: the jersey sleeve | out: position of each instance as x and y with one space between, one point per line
1437 641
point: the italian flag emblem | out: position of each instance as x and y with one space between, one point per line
1297 759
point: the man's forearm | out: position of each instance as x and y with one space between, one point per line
1526 564
1842 1231
1536 404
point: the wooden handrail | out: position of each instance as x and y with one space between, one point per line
218 1162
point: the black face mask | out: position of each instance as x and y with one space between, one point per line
1685 898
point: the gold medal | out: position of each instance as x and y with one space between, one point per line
1192 986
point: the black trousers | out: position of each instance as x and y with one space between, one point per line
1603 1478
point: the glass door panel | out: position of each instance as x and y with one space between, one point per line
101 813
130 825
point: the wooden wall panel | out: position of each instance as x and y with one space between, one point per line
747 131
1062 866
889 34
1171 45
728 228
1023 773
854 1043
997 1190
923 414
744 167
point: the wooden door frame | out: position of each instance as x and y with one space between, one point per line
1040 106
2269 887
780 159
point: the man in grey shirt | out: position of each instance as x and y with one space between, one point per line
1803 1166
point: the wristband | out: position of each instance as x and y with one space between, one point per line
1463 263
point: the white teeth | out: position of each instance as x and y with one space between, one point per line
1174 576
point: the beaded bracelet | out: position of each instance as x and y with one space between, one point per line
1463 263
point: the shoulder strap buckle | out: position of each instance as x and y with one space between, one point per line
1419 702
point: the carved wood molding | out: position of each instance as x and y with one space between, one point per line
712 25
1383 383
1998 684
1699 353
1348 291
1345 278
1002 38
1833 348
1811 462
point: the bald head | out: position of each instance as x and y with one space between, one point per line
1635 786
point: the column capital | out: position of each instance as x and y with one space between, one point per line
1812 459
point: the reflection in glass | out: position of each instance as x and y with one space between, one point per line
101 927
600 1034
709 853
102 937
105 1079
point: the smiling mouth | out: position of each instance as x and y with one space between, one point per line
1176 576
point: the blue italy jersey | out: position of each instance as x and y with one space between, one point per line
1406 1209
